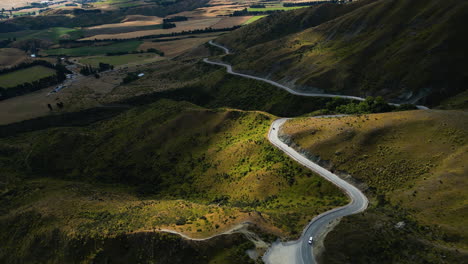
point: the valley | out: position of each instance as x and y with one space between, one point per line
215 131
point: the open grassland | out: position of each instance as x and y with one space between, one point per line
139 58
413 160
53 34
127 46
25 75
7 4
178 46
253 19
164 165
10 57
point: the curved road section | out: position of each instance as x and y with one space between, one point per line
289 90
358 202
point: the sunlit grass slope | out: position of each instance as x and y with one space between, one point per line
165 165
413 164
397 48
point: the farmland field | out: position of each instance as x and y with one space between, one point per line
177 47
253 19
274 7
127 46
53 34
201 23
25 75
121 59
10 57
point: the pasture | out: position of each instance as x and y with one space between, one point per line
127 46
25 75
179 46
52 34
274 8
253 19
192 24
10 57
140 58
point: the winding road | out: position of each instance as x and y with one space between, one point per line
358 202
289 90
303 252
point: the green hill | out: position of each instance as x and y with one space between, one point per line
167 165
408 51
412 166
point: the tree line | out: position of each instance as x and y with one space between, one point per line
173 34
246 12
315 3
24 88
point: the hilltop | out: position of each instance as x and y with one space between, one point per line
407 51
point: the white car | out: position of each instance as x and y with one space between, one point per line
311 240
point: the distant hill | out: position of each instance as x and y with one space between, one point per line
408 51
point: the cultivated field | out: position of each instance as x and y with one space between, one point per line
202 23
253 19
7 4
178 46
127 46
10 57
52 34
140 58
25 75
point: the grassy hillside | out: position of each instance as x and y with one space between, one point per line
412 165
399 49
165 165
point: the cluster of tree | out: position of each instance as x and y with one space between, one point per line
258 6
168 25
59 105
245 12
4 43
80 11
175 19
370 105
131 76
89 70
25 65
32 5
60 75
26 14
153 50
150 50
171 39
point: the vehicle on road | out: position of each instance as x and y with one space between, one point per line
311 240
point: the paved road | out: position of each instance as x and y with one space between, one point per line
358 202
289 90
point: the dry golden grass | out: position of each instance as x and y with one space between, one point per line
416 158
174 48
181 26
231 22
10 57
132 21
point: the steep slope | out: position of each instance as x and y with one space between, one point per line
164 165
408 51
413 166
